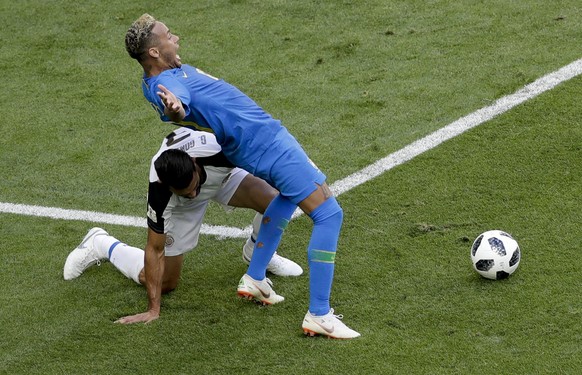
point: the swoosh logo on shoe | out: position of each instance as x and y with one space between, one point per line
265 295
326 328
83 245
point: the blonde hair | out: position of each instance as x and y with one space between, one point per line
139 36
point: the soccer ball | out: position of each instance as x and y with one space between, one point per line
495 255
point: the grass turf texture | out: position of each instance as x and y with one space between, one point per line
354 81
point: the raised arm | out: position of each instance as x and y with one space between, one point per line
172 105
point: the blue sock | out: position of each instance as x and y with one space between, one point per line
275 220
327 222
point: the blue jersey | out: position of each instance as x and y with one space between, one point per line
242 128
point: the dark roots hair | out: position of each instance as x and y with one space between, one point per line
139 36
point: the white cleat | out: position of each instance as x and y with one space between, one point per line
84 256
260 291
278 265
329 325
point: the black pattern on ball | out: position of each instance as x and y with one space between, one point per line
497 245
501 275
515 257
476 244
484 264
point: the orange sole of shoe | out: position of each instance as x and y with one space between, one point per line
250 297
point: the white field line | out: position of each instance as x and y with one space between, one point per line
399 157
103 218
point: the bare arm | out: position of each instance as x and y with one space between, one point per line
172 105
154 272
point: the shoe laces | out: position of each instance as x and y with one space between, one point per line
339 316
91 258
262 282
269 282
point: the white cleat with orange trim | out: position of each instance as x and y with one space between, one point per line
259 291
329 325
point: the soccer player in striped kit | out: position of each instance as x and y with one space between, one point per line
186 173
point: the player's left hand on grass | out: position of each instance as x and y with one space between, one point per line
145 317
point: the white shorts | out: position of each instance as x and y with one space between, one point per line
183 217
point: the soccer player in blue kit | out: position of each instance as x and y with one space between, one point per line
253 140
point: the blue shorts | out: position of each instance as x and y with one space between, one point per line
287 168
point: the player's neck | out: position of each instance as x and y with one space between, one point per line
152 69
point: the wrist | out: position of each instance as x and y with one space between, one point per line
154 309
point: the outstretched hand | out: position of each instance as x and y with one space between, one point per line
145 317
172 104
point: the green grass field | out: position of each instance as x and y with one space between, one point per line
355 81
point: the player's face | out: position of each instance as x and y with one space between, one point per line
167 46
192 190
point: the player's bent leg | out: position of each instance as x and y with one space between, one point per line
98 246
254 284
278 265
172 272
127 259
273 225
253 192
